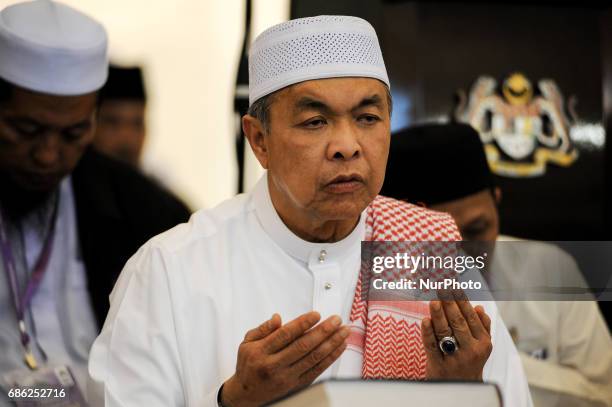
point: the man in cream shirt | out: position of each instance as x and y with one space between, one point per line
564 343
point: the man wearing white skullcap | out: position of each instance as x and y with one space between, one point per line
69 218
190 324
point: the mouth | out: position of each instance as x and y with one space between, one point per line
344 184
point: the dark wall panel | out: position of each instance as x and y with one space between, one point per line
435 49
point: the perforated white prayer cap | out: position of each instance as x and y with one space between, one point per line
313 48
49 47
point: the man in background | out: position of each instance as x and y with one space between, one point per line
121 130
565 346
69 217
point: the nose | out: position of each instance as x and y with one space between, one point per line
46 153
345 144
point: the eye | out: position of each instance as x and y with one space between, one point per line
75 133
314 123
26 130
72 136
475 231
368 119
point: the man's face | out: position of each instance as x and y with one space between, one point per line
120 132
327 146
475 215
42 138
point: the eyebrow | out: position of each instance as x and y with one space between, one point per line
374 100
23 120
478 222
84 123
307 103
32 122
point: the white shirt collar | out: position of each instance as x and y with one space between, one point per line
309 252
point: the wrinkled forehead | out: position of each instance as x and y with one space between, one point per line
50 110
336 93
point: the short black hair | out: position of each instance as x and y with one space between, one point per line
6 90
124 84
260 109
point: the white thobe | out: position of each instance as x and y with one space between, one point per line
185 300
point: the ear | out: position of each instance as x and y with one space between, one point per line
254 131
497 195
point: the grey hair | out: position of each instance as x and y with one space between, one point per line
260 109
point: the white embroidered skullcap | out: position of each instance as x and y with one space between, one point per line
49 47
313 48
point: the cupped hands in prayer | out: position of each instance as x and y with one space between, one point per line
276 359
471 328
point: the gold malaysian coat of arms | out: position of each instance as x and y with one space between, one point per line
521 132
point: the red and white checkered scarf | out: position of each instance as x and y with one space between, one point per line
388 333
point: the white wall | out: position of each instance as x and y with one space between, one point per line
189 50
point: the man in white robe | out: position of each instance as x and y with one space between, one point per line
195 317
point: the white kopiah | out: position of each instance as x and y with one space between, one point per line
314 48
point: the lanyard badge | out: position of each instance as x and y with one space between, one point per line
28 356
21 301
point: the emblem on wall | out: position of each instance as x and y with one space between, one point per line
523 129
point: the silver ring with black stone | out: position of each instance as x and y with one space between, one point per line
448 345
